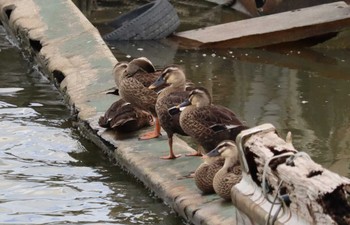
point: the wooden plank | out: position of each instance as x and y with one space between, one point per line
273 29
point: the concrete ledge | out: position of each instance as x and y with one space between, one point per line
70 50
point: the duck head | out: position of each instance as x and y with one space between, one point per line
172 75
118 71
141 64
198 97
226 149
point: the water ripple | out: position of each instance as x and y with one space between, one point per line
39 183
9 91
18 112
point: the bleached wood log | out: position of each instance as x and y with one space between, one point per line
317 195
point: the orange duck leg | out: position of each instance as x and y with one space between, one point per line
153 134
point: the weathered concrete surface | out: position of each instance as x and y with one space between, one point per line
269 30
66 44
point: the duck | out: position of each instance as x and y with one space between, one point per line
177 91
123 117
230 174
135 91
140 68
204 174
206 123
118 69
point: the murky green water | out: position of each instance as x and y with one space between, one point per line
48 173
299 89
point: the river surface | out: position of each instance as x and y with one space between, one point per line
303 88
51 175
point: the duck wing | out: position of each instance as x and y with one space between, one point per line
171 123
147 78
111 113
136 93
216 115
209 125
122 114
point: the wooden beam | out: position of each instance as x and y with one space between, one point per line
269 30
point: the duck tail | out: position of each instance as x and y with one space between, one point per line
104 122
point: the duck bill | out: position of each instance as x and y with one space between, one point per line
213 153
160 81
184 104
179 108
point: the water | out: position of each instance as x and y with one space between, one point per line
296 88
51 175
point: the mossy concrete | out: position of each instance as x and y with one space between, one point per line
64 42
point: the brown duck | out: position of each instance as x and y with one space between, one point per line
206 123
134 90
175 93
230 174
141 69
122 116
204 174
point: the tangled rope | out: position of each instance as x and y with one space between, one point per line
283 199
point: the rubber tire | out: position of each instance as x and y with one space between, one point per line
154 20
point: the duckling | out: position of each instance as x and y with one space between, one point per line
206 123
230 174
122 116
204 174
170 96
132 90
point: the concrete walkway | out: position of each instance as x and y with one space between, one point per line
67 47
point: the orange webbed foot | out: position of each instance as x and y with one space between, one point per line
170 156
194 154
149 135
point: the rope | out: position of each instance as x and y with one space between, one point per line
282 198
265 169
290 160
272 205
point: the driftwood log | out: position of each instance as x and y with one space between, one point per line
313 194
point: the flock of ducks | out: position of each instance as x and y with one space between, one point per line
166 99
